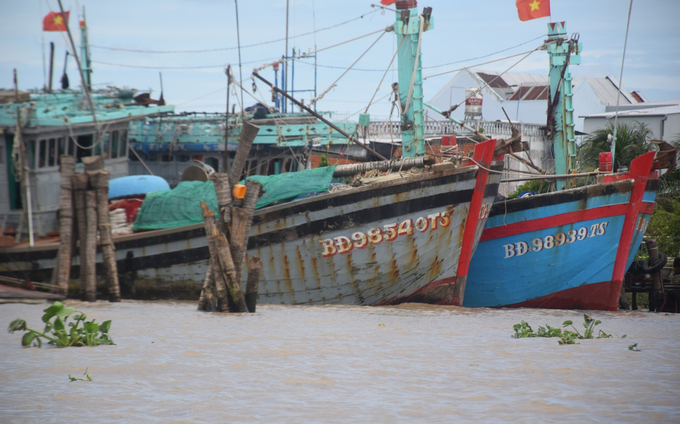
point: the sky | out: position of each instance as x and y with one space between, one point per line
465 34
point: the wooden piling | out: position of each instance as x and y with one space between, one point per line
215 286
79 187
245 142
241 223
99 180
93 163
90 246
254 270
227 264
223 192
62 271
207 301
656 292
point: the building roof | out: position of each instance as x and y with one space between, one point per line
649 111
537 92
506 86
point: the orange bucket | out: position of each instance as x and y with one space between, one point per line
239 191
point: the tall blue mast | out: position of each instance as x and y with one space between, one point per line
562 52
408 28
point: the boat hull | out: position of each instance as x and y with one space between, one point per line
377 244
565 250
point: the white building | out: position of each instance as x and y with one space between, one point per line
662 118
525 96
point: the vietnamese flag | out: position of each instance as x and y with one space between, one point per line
532 9
387 2
55 21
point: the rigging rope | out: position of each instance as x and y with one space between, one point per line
483 63
304 55
334 83
486 55
173 67
384 75
231 48
499 75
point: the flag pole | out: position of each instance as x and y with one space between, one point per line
82 77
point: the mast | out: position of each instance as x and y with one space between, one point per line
85 54
409 27
562 52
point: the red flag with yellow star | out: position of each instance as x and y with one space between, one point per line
532 9
55 21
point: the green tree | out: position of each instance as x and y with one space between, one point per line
323 161
664 225
631 142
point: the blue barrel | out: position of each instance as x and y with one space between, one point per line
136 186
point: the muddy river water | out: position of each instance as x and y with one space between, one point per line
411 363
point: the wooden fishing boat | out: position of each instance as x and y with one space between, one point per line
374 244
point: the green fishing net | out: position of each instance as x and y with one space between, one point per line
292 184
177 207
180 206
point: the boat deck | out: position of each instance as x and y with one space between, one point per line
15 294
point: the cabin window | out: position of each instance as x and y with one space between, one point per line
70 147
123 144
61 146
214 163
42 153
114 144
84 146
31 156
97 150
252 167
52 152
105 145
275 166
263 167
182 158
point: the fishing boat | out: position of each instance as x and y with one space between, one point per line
38 127
567 249
383 242
169 144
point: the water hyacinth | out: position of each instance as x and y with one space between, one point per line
60 332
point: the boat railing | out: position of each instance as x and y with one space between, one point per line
391 129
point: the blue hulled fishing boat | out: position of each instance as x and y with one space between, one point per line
570 248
